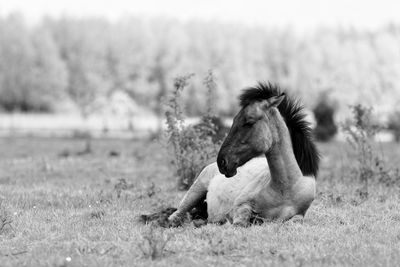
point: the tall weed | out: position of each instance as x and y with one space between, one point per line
361 130
153 242
5 218
192 146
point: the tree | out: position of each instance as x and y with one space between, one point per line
17 58
50 76
83 47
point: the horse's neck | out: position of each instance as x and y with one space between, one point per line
281 159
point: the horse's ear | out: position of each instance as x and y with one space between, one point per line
274 101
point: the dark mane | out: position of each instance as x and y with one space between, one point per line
292 111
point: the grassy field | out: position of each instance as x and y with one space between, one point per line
59 210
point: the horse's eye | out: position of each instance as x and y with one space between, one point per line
248 124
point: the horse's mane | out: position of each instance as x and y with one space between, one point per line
292 111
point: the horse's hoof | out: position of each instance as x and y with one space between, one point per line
175 220
297 219
241 223
199 223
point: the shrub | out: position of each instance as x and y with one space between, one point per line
324 113
394 124
193 146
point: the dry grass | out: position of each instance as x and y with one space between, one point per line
75 211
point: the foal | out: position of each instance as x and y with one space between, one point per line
265 168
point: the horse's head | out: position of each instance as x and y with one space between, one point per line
253 133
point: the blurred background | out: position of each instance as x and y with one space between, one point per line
107 67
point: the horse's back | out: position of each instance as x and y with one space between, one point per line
224 192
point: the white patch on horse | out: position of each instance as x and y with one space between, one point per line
224 192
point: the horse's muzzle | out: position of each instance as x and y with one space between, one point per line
231 173
226 168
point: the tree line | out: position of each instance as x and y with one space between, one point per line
74 62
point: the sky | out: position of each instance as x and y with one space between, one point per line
301 14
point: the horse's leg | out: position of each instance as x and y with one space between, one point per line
196 193
297 219
242 215
287 213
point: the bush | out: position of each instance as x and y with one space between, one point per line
394 125
194 146
324 113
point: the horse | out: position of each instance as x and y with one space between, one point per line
266 167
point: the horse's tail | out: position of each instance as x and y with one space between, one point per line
160 218
198 215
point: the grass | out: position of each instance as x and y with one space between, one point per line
82 211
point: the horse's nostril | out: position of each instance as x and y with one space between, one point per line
223 163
